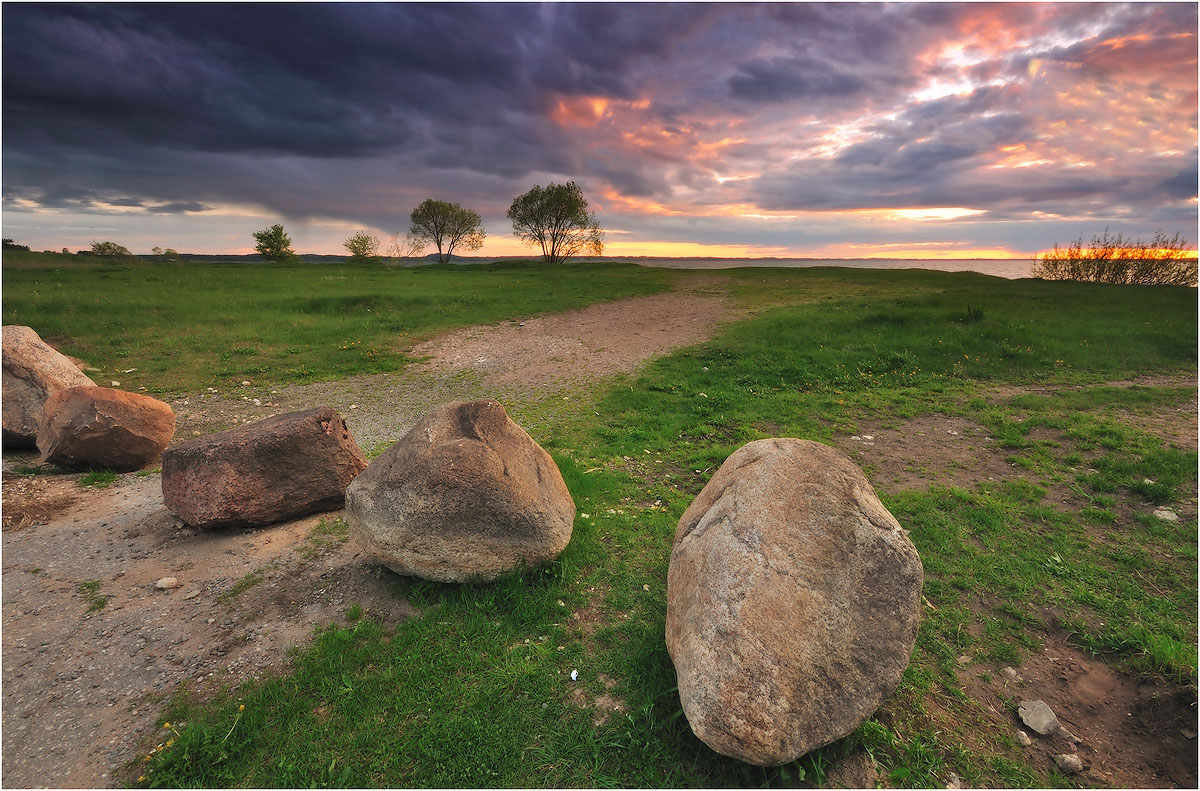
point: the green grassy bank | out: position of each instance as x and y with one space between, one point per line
475 691
184 326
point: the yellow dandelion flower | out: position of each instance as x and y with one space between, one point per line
242 707
166 725
141 778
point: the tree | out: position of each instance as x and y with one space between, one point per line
362 246
1114 259
446 225
165 255
557 219
110 250
274 244
400 249
9 244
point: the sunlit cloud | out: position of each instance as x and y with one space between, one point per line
801 129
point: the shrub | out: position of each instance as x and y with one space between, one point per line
362 246
1114 259
110 250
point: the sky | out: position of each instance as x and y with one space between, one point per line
791 129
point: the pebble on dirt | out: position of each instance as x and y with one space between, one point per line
166 583
1023 739
1038 716
1069 762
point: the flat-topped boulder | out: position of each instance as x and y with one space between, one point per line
466 494
91 428
262 473
32 371
792 602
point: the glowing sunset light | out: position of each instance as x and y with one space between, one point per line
936 130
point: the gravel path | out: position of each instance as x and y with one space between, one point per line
83 686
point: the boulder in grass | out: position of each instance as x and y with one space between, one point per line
101 428
465 495
264 472
33 370
792 601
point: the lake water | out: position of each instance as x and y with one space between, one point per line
1010 268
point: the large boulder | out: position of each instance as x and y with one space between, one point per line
33 370
100 428
466 494
264 472
792 601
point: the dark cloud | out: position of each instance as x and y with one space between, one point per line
179 207
783 79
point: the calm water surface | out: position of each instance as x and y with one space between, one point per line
1010 268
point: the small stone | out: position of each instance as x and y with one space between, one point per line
1066 734
1038 716
245 383
1010 674
191 594
1022 738
1167 514
953 781
1069 762
1187 733
166 583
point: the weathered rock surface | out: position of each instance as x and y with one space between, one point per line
792 601
97 427
262 473
466 494
33 370
1070 763
1038 717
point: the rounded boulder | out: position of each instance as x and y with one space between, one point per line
264 472
465 495
99 427
33 371
792 602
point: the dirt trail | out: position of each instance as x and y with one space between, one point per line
83 687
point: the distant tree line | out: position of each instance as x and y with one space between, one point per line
554 218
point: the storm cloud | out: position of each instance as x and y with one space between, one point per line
739 124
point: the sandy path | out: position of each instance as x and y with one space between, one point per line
83 690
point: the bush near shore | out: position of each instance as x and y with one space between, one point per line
1164 260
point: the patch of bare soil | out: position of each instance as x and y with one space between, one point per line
84 683
1128 732
950 451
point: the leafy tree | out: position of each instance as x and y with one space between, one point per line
446 225
362 246
274 244
1165 260
9 244
165 255
556 218
110 250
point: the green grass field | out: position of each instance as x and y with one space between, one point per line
474 691
184 326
